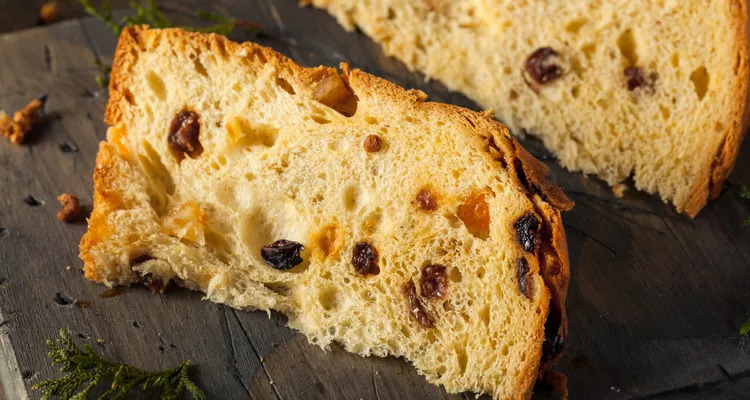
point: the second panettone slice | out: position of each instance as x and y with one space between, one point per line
367 215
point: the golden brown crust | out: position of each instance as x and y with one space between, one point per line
531 175
723 161
105 202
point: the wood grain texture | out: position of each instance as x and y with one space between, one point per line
655 303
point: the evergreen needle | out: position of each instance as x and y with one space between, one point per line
84 370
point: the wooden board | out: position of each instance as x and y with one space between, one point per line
655 303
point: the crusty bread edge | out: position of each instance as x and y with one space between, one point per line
719 166
531 175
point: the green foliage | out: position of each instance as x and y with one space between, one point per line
103 79
745 328
150 14
84 370
745 192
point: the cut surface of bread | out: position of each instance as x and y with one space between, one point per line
367 215
653 90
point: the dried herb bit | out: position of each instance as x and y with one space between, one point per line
282 254
84 370
745 328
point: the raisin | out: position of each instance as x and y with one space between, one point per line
434 281
365 259
636 78
527 231
147 279
416 309
373 143
552 346
425 200
282 254
523 278
183 133
541 67
140 259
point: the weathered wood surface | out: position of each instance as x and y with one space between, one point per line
655 303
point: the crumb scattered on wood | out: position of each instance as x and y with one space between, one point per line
100 340
67 267
70 208
23 121
619 190
48 12
83 304
115 291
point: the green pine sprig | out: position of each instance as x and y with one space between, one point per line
150 14
745 328
745 194
84 370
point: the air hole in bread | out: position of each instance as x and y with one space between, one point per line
255 232
461 359
156 84
354 199
328 297
665 111
198 65
285 85
371 120
481 272
327 242
700 79
278 288
589 50
575 25
676 60
513 95
575 91
627 45
128 95
249 176
218 244
246 134
484 315
371 222
454 275
162 185
452 219
319 119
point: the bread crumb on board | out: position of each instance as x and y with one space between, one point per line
48 12
70 209
23 121
619 190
